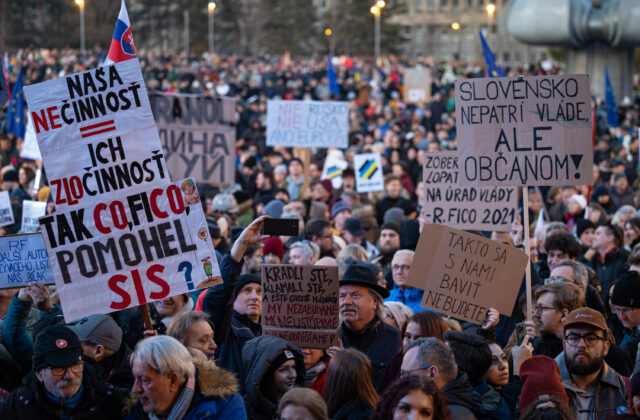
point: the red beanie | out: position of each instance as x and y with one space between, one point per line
326 183
540 376
273 246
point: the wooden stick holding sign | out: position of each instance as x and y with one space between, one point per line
304 154
525 212
147 319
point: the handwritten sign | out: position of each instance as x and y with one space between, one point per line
31 211
308 124
23 259
300 304
463 275
368 168
529 131
417 85
6 212
96 134
130 250
448 203
197 136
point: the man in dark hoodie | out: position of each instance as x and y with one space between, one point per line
434 359
473 356
236 306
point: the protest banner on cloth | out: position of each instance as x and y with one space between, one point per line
524 131
368 169
307 124
96 133
23 259
197 136
6 212
31 211
463 207
130 249
463 274
300 304
417 85
30 149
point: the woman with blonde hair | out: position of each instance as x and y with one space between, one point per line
302 403
349 392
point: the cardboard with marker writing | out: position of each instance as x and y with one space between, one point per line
528 131
417 85
463 275
300 304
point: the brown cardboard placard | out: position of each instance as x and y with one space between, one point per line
417 85
300 304
463 207
463 274
524 131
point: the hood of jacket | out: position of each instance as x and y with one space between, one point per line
459 392
257 356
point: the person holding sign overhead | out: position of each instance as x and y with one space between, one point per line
362 312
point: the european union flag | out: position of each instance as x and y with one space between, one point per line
609 97
493 69
333 78
15 112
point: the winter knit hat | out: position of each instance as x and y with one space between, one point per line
273 246
540 377
626 292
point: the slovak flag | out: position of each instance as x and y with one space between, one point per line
122 48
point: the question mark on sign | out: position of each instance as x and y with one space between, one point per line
186 265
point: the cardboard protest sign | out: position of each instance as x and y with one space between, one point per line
31 211
6 212
463 275
23 259
197 136
4 91
96 133
368 169
30 149
307 124
300 304
417 85
130 250
529 131
448 203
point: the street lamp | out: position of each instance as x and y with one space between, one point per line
491 8
80 4
328 32
455 26
211 6
375 11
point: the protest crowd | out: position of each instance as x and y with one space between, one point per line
206 357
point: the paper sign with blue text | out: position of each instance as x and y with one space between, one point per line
23 259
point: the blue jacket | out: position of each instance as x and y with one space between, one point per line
491 402
410 297
215 397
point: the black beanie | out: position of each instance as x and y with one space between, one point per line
392 226
626 292
582 225
409 234
244 280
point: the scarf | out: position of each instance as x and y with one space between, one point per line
314 373
182 403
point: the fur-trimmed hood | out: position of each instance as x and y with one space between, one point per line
213 382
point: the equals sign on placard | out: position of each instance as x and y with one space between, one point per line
94 129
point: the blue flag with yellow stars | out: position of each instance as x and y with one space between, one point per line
493 69
15 112
610 99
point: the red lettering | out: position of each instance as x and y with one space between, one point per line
65 183
58 184
151 275
53 117
98 221
113 285
118 214
137 282
176 203
76 187
154 204
39 121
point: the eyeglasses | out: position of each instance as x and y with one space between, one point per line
397 267
409 372
590 339
60 371
558 279
625 311
540 309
